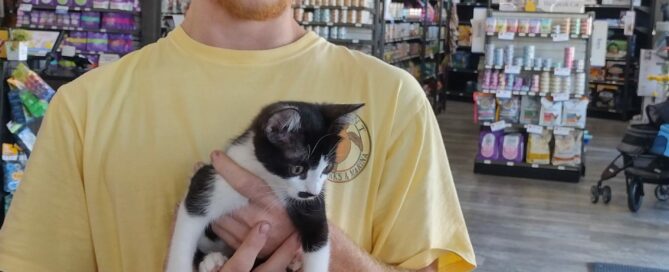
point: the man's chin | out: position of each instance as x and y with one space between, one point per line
255 10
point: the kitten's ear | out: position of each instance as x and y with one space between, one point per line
340 114
281 124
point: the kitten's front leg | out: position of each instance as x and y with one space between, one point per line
312 225
187 231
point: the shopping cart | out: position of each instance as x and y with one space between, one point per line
644 157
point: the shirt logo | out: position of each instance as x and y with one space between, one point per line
353 152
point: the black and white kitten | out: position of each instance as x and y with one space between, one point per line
290 145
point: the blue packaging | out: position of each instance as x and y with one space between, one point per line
13 176
661 144
16 106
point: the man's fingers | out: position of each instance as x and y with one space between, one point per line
282 257
239 178
245 256
226 236
237 228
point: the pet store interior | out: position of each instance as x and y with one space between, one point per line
553 112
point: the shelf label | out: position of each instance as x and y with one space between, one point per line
561 37
62 9
330 24
107 58
562 168
534 165
504 94
510 69
506 36
26 7
534 129
358 25
103 30
497 126
532 35
69 51
563 71
487 162
510 164
355 41
317 7
561 97
564 131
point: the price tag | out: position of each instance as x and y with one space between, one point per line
69 51
560 97
510 164
107 58
504 94
534 165
358 25
355 41
344 7
531 35
26 7
506 36
562 37
317 7
62 9
497 126
330 24
103 30
487 162
562 168
512 70
522 34
534 129
543 35
565 131
563 71
490 34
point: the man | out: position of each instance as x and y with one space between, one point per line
115 151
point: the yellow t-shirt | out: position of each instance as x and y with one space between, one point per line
116 149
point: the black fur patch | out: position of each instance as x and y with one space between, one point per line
200 191
311 223
210 234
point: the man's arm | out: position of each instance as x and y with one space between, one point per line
47 228
345 254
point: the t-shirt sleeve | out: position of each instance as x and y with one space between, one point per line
47 227
417 218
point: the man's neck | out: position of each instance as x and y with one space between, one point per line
209 24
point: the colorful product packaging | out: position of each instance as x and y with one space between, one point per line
568 148
551 113
82 3
513 147
485 107
16 106
32 82
97 42
489 145
13 176
530 110
574 112
90 20
509 109
538 148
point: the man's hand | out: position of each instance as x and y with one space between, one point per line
263 207
247 253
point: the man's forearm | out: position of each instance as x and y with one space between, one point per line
346 256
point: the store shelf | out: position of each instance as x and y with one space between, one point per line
542 36
471 5
529 69
371 10
404 59
610 82
524 126
69 8
607 7
526 170
457 70
404 39
102 30
358 25
86 52
489 91
416 20
349 41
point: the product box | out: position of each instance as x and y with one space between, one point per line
464 35
615 70
597 74
605 96
616 49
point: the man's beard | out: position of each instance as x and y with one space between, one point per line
255 10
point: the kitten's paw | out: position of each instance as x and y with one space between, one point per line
212 262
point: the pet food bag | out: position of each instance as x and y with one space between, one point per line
551 113
509 109
489 145
568 149
538 148
485 107
513 147
530 109
574 112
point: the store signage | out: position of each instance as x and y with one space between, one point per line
570 6
506 36
534 129
504 94
497 126
561 37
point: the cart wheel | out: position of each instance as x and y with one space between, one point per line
662 192
594 194
634 195
606 194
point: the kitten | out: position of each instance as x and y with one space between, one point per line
290 145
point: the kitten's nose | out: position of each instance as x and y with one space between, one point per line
305 194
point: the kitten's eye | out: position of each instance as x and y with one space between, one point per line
329 168
296 170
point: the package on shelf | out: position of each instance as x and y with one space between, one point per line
551 112
489 142
118 21
399 11
539 26
335 3
355 33
538 147
175 6
26 79
530 110
568 148
402 30
90 20
508 109
574 112
97 42
512 147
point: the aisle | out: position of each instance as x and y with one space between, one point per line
529 225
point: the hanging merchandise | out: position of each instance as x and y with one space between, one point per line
568 148
538 148
574 112
551 112
489 142
530 109
509 109
513 147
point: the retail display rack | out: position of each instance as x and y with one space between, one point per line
533 86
